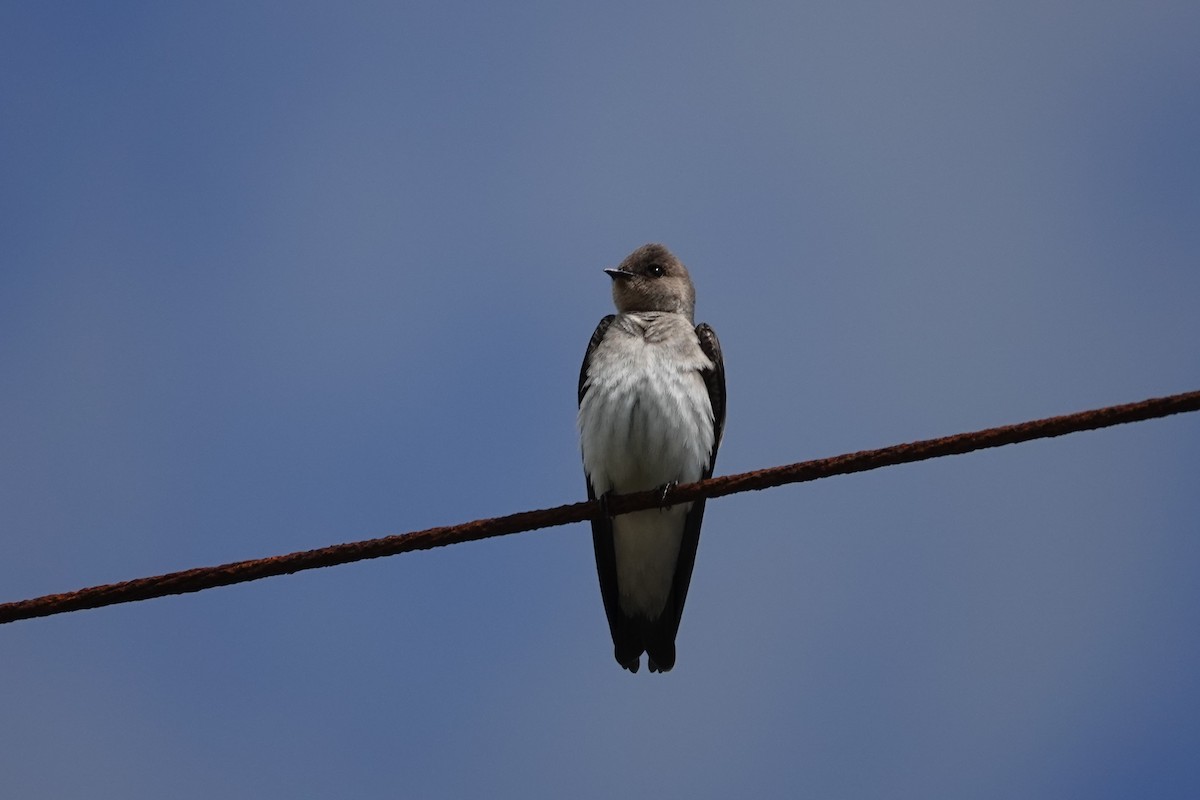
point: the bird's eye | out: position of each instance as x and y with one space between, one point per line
654 271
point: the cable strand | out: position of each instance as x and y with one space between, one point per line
201 578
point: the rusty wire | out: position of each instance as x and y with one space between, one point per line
195 580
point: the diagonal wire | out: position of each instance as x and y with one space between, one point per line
195 580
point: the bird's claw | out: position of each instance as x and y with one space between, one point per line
603 501
664 491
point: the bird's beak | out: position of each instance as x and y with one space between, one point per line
618 273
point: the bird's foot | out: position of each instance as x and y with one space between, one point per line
664 490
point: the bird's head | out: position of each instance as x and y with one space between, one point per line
652 279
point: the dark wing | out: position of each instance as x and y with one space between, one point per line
601 329
625 632
714 379
660 639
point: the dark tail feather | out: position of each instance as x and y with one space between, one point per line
661 656
632 637
627 643
658 637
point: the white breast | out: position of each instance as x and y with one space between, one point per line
646 418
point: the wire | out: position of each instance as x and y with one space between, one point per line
201 578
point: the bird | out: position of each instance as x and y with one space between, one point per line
651 415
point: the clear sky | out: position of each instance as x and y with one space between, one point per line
280 275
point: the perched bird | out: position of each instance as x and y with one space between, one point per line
651 414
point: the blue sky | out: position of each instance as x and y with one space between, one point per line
276 276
